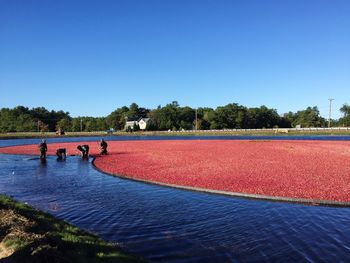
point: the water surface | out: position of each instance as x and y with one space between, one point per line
171 225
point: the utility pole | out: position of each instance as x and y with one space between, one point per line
38 125
330 112
81 125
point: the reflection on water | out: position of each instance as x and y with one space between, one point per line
169 225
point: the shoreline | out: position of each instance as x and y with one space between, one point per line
30 235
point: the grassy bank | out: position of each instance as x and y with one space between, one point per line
28 235
252 132
242 132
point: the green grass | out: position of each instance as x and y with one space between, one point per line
15 243
261 132
39 237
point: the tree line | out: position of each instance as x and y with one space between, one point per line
169 117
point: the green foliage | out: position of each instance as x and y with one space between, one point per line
310 117
18 119
231 116
151 125
76 125
15 243
136 127
116 119
265 117
65 124
22 119
345 120
169 117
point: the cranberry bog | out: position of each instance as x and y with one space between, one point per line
305 171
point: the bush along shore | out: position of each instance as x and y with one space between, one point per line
29 235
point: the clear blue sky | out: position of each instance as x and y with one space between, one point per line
91 57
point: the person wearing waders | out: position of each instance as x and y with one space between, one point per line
103 147
43 150
84 149
61 154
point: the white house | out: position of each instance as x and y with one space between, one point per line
141 122
130 122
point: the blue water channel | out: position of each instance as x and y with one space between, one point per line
169 225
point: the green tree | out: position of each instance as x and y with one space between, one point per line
65 124
17 119
116 119
186 118
266 118
7 123
345 120
204 117
77 124
136 112
231 116
25 123
310 117
102 124
50 118
136 127
151 125
166 117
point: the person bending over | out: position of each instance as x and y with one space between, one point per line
84 149
103 147
61 154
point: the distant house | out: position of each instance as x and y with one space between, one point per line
130 122
141 122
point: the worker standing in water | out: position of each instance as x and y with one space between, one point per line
43 150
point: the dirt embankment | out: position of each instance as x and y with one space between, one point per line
14 232
28 235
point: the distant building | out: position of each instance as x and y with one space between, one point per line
141 122
130 122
